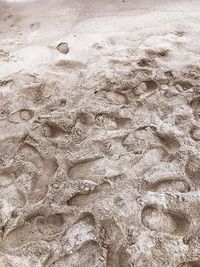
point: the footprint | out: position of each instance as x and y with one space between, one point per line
112 238
146 62
101 193
170 185
112 122
147 86
136 145
191 72
192 169
20 236
123 123
124 258
181 121
35 178
185 85
150 158
195 133
21 115
29 153
50 225
170 142
82 231
190 264
85 118
16 198
32 89
150 86
61 102
88 255
169 74
57 119
52 131
164 222
8 150
195 105
6 178
93 169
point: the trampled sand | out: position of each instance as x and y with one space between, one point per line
99 133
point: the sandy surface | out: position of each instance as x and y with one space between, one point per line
99 133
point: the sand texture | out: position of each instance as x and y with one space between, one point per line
100 133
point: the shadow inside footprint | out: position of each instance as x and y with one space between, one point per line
150 85
195 105
195 133
161 53
170 185
52 131
169 142
50 225
189 264
88 255
92 169
192 169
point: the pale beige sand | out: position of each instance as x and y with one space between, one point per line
99 133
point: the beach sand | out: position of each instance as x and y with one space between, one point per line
99 133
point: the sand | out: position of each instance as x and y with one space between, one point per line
99 133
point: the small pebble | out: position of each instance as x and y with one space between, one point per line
63 48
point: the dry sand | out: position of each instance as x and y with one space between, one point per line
99 133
